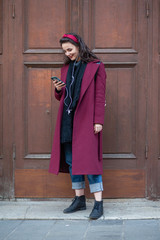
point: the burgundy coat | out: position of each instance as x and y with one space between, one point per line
86 145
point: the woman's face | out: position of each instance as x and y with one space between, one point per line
70 50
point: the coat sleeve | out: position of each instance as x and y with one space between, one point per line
100 89
58 94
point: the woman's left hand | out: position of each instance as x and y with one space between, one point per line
97 128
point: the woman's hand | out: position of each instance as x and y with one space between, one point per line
58 85
97 128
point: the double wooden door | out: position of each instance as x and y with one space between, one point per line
121 35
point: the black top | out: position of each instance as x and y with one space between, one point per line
72 93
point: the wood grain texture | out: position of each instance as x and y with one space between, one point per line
114 18
38 183
43 24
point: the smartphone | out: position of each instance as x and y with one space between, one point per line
57 79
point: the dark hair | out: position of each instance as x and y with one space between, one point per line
85 53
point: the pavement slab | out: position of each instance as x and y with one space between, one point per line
80 229
25 209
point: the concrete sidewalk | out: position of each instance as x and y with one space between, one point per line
124 219
114 209
80 230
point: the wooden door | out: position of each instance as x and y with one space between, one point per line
119 37
117 32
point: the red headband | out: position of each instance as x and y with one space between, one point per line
71 37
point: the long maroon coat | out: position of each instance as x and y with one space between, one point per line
86 145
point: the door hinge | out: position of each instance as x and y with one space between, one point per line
147 9
14 151
13 10
146 151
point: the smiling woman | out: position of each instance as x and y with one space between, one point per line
71 51
77 145
84 53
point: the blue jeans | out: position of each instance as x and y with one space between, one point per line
78 181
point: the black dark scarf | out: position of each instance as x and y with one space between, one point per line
73 86
71 98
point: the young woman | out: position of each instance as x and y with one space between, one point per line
77 144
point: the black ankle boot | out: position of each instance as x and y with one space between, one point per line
79 203
97 210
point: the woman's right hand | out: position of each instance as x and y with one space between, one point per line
58 85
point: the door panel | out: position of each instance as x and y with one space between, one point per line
114 28
120 115
117 184
38 108
42 22
117 33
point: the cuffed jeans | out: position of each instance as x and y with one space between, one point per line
78 181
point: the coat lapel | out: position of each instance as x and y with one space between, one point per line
89 73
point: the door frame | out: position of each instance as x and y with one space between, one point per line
8 101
